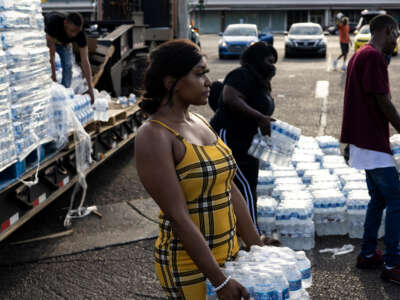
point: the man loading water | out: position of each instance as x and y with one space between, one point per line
368 110
61 31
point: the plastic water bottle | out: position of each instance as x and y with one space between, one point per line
279 282
304 265
132 99
263 286
293 276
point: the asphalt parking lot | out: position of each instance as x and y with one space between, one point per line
124 269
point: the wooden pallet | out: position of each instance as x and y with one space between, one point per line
115 116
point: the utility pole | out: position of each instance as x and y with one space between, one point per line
183 19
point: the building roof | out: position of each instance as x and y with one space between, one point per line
293 4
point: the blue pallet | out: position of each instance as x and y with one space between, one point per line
12 173
18 169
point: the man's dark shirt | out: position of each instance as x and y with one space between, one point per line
54 27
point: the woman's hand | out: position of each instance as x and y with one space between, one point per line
264 122
233 291
266 241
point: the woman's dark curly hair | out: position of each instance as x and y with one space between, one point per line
174 58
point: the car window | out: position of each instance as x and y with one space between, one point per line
232 31
365 30
306 30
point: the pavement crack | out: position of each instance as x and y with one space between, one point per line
140 213
149 296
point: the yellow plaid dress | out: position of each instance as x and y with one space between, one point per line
205 174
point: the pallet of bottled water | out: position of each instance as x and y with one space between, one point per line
27 63
270 273
8 153
277 148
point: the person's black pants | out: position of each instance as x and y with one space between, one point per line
247 173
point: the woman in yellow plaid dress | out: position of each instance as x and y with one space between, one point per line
188 171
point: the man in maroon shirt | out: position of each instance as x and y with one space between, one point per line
368 110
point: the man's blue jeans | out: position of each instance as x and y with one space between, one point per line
65 53
384 189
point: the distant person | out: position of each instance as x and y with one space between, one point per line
247 105
344 37
368 110
188 170
61 31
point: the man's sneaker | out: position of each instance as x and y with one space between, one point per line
373 262
392 275
335 64
344 68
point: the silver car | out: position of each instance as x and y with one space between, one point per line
305 38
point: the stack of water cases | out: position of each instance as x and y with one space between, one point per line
7 148
270 273
27 59
316 191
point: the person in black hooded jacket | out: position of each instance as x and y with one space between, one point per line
246 105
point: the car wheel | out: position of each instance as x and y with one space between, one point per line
395 54
288 55
221 56
323 55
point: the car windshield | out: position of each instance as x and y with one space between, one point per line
305 30
244 31
365 30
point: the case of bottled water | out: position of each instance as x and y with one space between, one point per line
301 195
310 174
278 148
304 166
347 178
270 273
295 225
284 173
357 203
82 108
325 185
354 185
329 212
329 145
395 146
288 180
320 179
265 183
266 214
101 106
301 157
346 170
308 143
333 162
279 189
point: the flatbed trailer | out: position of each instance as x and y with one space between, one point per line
57 172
